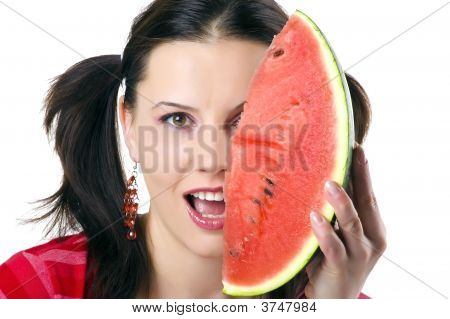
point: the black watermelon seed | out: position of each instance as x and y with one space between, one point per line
233 252
251 219
256 201
278 53
269 181
268 192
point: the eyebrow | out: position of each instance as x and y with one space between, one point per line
187 107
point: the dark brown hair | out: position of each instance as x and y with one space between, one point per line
80 113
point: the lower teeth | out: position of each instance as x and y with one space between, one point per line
212 216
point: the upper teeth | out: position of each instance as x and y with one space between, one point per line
217 196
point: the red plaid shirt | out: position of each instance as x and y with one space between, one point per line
55 269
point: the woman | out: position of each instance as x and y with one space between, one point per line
187 65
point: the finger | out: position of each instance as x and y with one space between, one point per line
330 244
349 189
365 200
313 264
348 219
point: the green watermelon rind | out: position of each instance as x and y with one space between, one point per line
341 176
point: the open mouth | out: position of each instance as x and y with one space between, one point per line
208 204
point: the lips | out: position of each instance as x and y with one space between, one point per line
205 207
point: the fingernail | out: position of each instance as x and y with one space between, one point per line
361 158
316 218
332 188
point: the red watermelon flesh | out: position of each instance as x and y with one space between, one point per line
296 132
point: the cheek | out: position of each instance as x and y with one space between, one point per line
165 150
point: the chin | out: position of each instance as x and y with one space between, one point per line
207 245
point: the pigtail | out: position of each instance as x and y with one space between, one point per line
81 115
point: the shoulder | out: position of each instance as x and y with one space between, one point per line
55 269
361 296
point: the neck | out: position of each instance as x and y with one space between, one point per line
176 271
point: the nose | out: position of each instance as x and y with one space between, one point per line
213 148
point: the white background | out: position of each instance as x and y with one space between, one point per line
408 147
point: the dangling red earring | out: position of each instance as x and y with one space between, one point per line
131 203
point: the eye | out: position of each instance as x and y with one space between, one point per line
179 120
234 124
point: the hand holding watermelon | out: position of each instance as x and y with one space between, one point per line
352 251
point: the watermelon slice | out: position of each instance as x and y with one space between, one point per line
296 132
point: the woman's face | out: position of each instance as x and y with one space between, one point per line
183 149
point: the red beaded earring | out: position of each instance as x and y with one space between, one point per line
131 202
